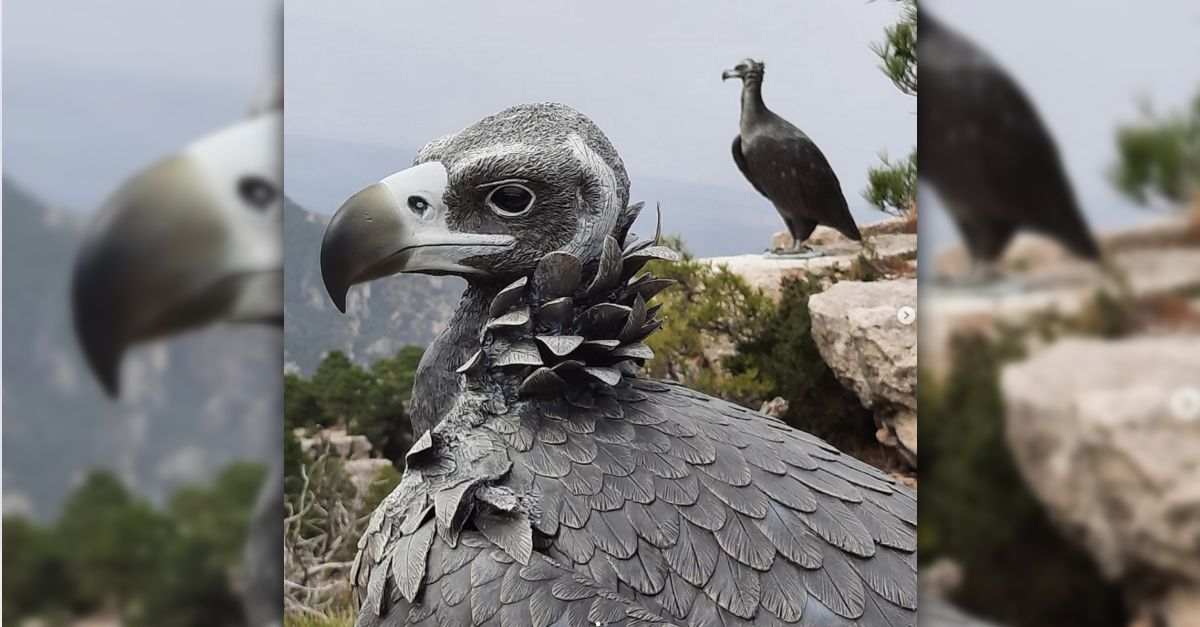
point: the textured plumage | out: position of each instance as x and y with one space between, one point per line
557 487
783 164
987 153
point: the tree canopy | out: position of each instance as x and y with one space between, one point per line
892 185
1158 156
113 551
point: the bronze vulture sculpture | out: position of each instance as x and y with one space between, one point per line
783 164
551 484
988 154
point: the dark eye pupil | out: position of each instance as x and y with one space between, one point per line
512 198
256 191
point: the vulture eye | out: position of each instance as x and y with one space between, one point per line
256 191
510 199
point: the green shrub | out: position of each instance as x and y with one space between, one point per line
111 550
977 510
709 307
780 352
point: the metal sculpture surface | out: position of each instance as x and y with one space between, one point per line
783 164
550 483
988 154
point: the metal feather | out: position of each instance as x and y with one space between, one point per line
608 273
408 563
557 274
637 259
514 318
637 318
508 297
518 353
449 508
560 345
636 350
611 376
542 381
556 313
603 320
510 532
472 365
646 286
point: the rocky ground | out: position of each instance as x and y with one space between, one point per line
888 243
354 450
873 351
1102 413
1157 264
856 321
1101 441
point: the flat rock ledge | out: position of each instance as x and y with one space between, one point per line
1156 259
887 240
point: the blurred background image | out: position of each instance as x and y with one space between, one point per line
1060 322
361 101
1059 373
137 127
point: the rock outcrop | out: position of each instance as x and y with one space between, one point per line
886 241
339 443
858 331
354 450
1155 260
1100 437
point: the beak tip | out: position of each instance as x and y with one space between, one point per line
110 385
337 291
95 332
106 371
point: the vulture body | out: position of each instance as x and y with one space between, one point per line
551 485
783 164
987 153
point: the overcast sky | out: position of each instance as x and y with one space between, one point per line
1086 65
94 91
649 73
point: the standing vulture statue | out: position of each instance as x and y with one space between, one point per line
784 165
550 484
988 154
193 240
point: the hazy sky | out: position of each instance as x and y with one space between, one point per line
649 73
94 91
215 41
1086 65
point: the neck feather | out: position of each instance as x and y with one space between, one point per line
437 383
752 101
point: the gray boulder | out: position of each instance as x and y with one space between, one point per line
1104 435
860 336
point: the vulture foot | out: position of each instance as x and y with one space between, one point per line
795 251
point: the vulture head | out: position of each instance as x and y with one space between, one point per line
192 240
530 206
487 203
749 70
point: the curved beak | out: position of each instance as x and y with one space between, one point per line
163 257
399 225
732 73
